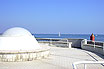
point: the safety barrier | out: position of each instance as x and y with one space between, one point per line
86 62
55 42
95 46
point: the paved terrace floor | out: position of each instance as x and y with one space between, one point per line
60 58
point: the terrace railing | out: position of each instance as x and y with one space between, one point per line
96 46
85 63
56 42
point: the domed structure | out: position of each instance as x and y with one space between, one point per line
18 44
18 39
16 31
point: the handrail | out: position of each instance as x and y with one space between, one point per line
86 62
54 42
96 41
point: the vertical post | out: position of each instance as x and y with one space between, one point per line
67 43
74 66
82 43
49 42
85 67
85 41
103 47
94 45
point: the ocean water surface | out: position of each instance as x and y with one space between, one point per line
98 37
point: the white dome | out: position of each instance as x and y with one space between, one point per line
18 39
16 31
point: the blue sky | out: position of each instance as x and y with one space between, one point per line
53 16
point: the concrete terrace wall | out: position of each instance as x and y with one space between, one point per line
94 48
25 56
91 48
76 42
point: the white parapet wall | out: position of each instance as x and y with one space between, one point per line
23 56
61 42
93 47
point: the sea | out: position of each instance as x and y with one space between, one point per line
98 37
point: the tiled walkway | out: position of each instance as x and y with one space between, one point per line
60 58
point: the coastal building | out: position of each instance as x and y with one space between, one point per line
17 44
